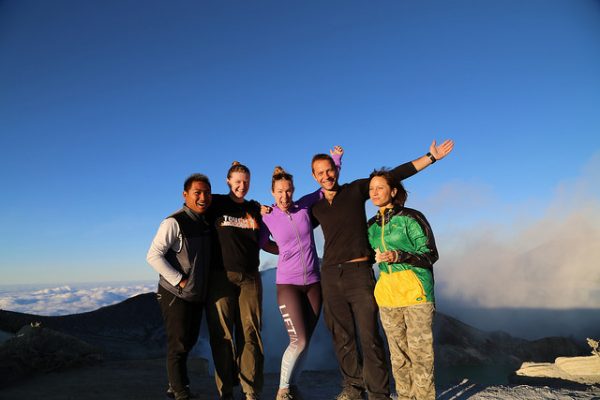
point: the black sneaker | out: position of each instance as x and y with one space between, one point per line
182 396
170 394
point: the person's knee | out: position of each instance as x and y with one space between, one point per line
301 344
178 349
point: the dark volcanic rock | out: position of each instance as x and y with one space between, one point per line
457 343
127 330
549 348
133 329
38 349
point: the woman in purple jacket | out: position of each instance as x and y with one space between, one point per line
298 277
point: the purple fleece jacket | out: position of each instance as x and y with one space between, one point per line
292 230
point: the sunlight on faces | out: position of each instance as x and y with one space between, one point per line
380 192
239 184
325 174
283 191
198 197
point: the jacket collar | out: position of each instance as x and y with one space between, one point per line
387 214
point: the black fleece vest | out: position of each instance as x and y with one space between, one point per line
193 260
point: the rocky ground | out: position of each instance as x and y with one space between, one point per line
145 379
116 353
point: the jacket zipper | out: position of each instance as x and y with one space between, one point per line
389 270
418 281
299 245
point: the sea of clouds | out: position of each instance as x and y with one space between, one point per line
68 299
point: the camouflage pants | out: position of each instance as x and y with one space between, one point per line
410 339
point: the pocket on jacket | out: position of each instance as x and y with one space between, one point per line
399 289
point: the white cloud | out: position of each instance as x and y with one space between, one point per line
540 259
69 299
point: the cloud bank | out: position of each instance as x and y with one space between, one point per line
528 257
69 299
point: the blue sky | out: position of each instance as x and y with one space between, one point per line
107 106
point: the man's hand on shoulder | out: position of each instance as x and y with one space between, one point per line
265 209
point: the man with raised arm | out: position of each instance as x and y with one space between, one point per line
347 277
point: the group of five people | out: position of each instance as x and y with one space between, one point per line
207 256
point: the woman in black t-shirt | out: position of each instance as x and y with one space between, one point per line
235 289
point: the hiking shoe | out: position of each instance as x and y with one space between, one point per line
287 395
188 392
182 395
350 393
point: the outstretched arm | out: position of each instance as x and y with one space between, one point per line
408 169
435 153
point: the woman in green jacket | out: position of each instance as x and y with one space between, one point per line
405 250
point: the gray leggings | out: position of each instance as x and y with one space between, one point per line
300 307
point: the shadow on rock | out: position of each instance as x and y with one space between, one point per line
37 349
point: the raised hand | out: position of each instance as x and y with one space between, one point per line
336 150
442 150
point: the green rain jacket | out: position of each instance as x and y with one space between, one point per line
409 280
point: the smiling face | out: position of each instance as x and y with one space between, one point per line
325 174
283 191
380 192
198 197
239 184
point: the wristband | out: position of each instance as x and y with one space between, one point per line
431 157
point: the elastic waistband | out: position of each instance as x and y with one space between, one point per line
354 264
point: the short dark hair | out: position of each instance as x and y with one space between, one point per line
321 157
401 194
195 178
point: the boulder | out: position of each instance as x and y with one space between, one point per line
38 349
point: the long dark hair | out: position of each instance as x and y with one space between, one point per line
401 194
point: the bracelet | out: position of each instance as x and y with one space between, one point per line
431 157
